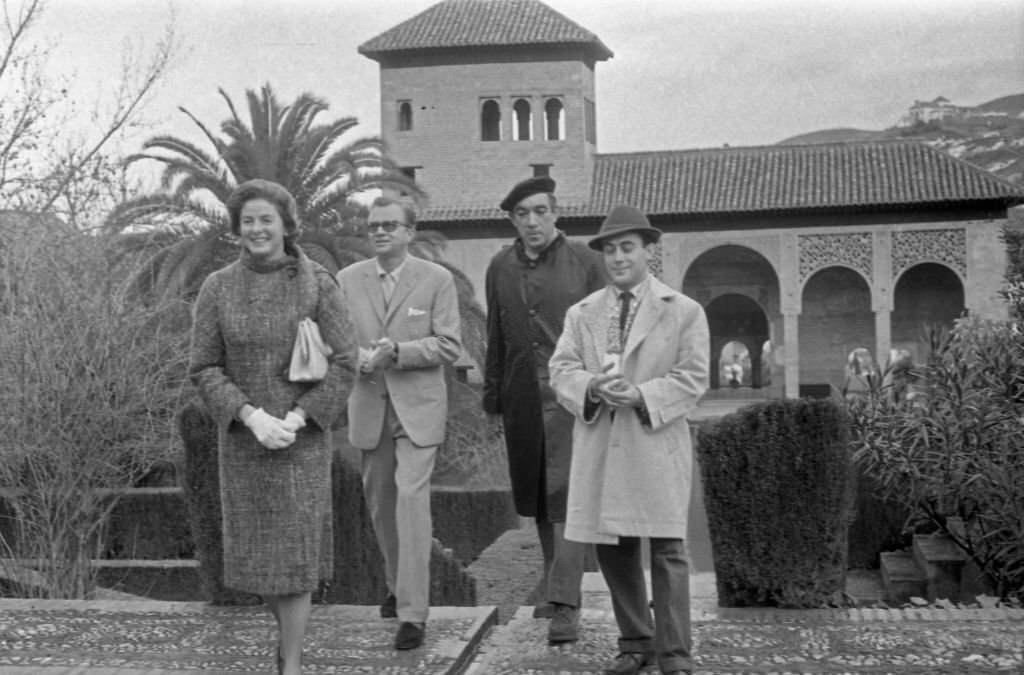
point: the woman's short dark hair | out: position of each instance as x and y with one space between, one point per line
272 192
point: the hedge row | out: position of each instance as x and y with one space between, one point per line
779 491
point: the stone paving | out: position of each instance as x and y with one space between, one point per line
60 637
161 638
924 641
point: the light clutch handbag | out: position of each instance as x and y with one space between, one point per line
309 355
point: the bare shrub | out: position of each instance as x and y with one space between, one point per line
88 383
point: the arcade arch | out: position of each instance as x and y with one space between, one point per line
925 294
739 290
836 319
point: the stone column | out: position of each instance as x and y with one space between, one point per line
791 323
883 336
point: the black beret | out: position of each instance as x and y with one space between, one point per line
526 188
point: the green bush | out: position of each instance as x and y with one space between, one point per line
778 490
950 452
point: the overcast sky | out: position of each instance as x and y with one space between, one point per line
686 73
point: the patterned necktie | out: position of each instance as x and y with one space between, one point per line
624 299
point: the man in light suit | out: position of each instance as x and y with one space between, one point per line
631 363
405 312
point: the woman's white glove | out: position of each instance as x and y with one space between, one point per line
293 421
270 431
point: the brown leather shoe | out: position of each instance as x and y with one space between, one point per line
409 635
629 663
389 608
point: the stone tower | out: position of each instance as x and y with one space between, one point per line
479 94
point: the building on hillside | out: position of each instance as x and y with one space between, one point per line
801 255
938 110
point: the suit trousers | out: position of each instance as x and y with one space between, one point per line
396 485
668 636
563 564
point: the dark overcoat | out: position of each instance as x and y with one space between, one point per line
275 504
526 304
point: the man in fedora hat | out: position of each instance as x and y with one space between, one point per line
529 285
630 365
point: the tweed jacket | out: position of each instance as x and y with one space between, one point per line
423 318
630 477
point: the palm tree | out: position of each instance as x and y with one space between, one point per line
283 143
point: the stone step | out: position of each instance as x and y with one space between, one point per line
901 577
942 562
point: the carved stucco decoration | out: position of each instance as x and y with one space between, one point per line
818 251
947 247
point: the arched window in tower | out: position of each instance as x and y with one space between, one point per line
404 116
490 121
554 120
522 120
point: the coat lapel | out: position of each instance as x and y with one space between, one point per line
371 284
407 281
647 316
596 320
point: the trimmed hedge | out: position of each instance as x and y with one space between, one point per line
468 521
778 486
358 564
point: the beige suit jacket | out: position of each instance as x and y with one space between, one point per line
423 318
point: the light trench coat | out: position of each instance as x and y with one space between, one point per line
628 478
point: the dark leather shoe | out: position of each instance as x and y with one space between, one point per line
564 626
389 608
629 663
409 635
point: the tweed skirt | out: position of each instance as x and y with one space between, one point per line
276 512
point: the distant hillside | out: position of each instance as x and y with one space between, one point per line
831 136
990 135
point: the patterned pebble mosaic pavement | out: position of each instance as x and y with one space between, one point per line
160 638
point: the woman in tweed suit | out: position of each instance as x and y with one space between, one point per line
274 436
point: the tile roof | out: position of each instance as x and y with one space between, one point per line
484 23
776 178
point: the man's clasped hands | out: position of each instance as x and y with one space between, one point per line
611 387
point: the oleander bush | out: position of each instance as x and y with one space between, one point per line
778 488
950 453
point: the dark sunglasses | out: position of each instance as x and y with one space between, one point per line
387 226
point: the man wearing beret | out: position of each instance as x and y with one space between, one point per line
529 286
630 365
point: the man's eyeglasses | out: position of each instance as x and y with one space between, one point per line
387 226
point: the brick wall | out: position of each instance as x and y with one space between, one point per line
454 165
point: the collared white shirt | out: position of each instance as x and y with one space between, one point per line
389 280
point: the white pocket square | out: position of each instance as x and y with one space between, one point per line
416 312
